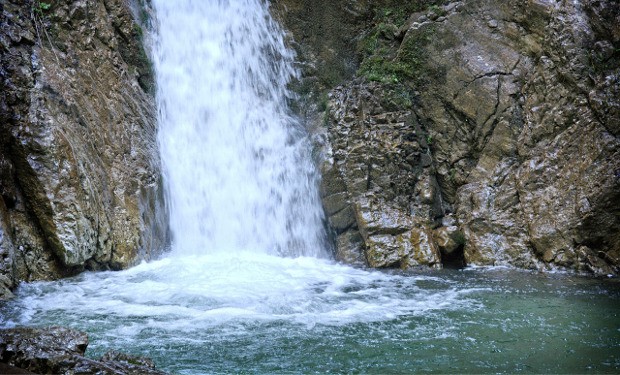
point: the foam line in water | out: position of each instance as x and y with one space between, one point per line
175 294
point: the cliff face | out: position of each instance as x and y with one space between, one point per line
79 171
476 132
468 132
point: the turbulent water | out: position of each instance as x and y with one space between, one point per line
237 164
248 288
257 313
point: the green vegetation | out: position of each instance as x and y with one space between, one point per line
405 64
323 102
40 6
452 174
40 14
392 58
137 29
437 10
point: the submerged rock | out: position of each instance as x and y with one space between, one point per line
58 350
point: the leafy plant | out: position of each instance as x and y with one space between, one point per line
40 7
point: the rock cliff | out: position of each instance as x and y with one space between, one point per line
79 171
477 132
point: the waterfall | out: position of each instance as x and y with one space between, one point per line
237 163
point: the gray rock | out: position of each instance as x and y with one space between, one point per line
79 171
502 115
58 350
378 184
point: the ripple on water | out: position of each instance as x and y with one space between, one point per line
261 313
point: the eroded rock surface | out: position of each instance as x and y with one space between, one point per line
79 171
528 165
379 187
489 127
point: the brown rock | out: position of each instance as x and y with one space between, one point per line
505 114
78 155
448 239
58 350
378 184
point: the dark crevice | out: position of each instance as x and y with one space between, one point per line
455 259
494 117
489 74
598 117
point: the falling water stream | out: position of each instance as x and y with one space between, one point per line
249 286
236 162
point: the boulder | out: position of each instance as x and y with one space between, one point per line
59 350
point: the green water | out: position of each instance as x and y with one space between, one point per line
313 316
527 323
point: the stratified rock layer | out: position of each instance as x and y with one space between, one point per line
484 131
379 188
79 171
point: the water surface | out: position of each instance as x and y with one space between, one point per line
254 313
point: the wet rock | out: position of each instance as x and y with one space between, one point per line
8 369
348 248
79 171
448 239
378 186
58 350
592 262
502 114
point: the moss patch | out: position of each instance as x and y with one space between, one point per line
386 59
405 63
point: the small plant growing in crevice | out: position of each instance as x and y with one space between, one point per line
452 174
437 10
323 104
40 19
40 7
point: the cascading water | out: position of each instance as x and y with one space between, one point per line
237 164
245 289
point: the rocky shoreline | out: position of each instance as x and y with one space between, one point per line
58 350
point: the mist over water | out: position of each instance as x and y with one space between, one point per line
237 164
248 286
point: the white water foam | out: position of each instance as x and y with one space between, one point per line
248 254
176 295
248 237
237 164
